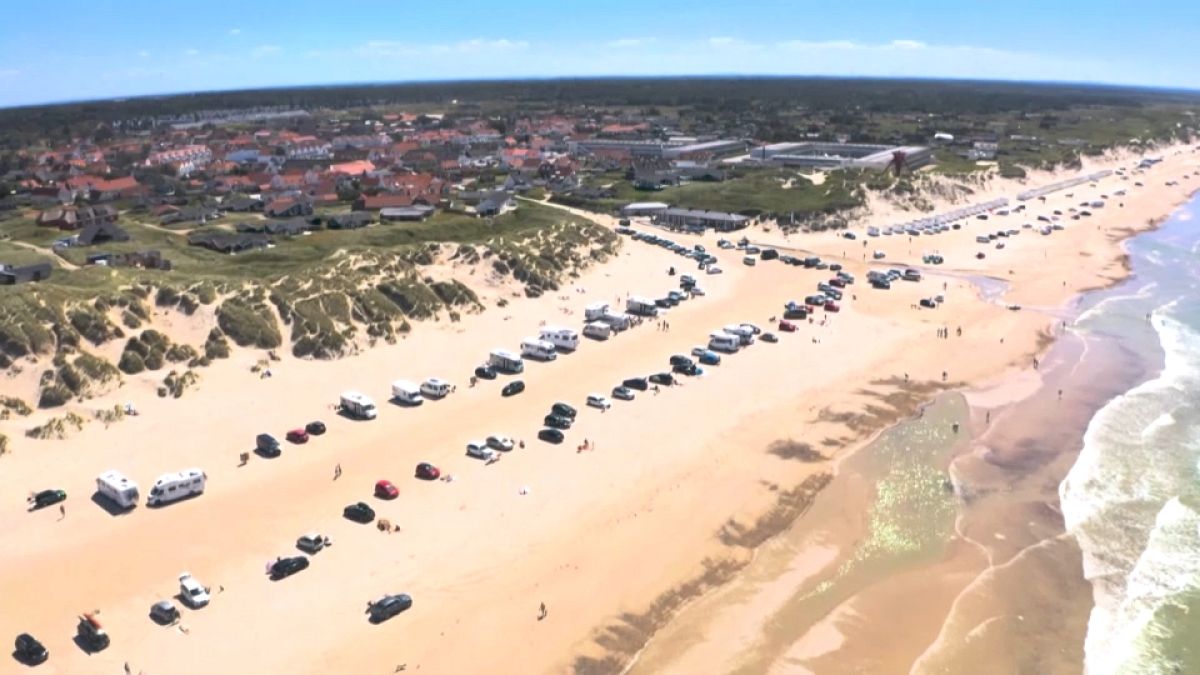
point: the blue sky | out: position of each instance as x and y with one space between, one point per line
81 49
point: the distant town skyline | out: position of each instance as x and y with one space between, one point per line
105 49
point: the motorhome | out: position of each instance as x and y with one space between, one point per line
873 231
562 338
118 489
720 341
357 405
598 330
538 349
594 311
618 321
745 335
407 392
172 487
506 361
435 387
641 306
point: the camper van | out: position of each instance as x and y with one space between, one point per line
745 335
641 306
618 321
538 349
359 406
598 330
506 361
720 341
172 487
562 338
435 387
594 311
118 489
406 392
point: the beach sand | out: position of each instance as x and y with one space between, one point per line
678 492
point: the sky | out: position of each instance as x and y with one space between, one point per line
75 50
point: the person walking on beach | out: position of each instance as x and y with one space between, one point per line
542 613
337 471
62 511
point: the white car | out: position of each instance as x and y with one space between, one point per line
714 270
696 290
479 450
598 401
500 442
699 350
195 595
623 393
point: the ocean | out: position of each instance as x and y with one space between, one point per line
1132 498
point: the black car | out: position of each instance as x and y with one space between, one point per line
557 422
680 360
315 428
689 369
485 373
359 513
47 498
267 446
550 435
662 378
563 409
638 383
29 650
286 567
769 254
769 337
513 388
389 606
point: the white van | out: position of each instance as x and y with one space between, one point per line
641 306
720 341
435 387
506 361
118 489
172 487
594 311
745 335
357 405
598 330
562 338
538 349
406 392
618 321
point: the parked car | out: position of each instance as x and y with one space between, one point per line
30 651
385 489
598 401
310 543
315 428
550 435
192 592
498 442
480 450
787 326
359 512
769 337
680 360
564 410
427 471
837 282
389 606
713 269
832 306
91 634
689 369
769 254
622 393
297 436
485 373
513 388
48 498
164 612
665 379
557 421
709 358
638 383
286 567
267 446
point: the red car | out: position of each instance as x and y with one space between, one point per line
837 282
427 471
385 490
297 436
832 306
787 326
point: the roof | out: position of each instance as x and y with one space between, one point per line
706 215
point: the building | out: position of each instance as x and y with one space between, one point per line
390 201
839 155
405 213
13 274
225 242
288 207
77 217
101 233
348 221
644 209
695 218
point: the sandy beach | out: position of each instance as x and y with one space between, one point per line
676 495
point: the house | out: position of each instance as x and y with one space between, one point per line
73 217
100 233
687 218
11 275
495 204
389 201
190 214
405 213
348 221
225 242
149 259
277 227
243 204
288 207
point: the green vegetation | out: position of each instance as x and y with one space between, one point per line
57 428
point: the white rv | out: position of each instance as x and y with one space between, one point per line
720 341
598 330
406 392
538 349
641 306
562 338
595 310
745 335
358 406
175 486
435 387
118 489
506 361
619 321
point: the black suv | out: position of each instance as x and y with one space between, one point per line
662 378
30 651
286 567
557 422
389 606
267 446
550 435
679 360
563 410
638 383
513 388
359 513
47 498
485 373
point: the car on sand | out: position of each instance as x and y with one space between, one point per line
286 567
297 436
385 489
46 498
787 326
622 393
480 450
164 612
598 401
485 373
359 512
557 421
665 379
29 650
192 592
389 606
769 337
513 388
638 383
500 442
310 543
550 436
315 428
427 471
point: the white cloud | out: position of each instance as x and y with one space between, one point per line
630 42
908 44
265 50
192 52
144 54
235 31
722 41
822 44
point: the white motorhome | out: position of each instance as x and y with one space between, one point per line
595 310
175 486
538 349
598 330
406 392
118 489
562 338
506 361
619 321
641 306
357 405
720 341
745 335
435 387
